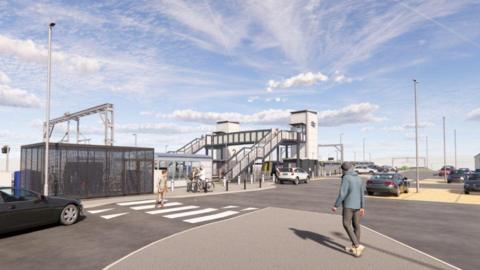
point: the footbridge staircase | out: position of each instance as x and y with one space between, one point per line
262 142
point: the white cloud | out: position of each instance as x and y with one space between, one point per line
341 78
302 79
352 114
29 51
252 98
14 97
474 115
4 78
271 116
156 128
408 126
420 125
367 129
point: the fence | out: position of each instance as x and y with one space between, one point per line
87 171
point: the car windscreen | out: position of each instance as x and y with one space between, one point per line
475 176
382 177
283 169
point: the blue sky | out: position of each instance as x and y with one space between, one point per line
173 68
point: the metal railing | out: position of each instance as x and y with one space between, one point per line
259 151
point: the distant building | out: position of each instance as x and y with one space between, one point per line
477 161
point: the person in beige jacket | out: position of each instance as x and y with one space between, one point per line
162 187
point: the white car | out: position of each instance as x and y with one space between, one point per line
295 175
365 170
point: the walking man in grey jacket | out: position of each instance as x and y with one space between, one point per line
351 197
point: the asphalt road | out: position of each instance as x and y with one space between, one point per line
447 231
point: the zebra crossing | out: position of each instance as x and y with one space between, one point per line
191 214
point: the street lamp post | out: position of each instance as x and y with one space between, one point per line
364 149
47 109
426 149
417 172
444 153
455 146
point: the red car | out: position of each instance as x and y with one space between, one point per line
446 170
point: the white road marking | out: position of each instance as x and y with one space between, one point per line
230 207
211 217
196 228
100 211
249 209
114 215
136 202
191 213
151 206
163 211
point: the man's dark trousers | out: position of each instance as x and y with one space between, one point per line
351 218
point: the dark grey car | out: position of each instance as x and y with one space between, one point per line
390 183
458 176
22 209
472 183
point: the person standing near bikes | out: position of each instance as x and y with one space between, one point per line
202 178
162 187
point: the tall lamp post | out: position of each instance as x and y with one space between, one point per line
417 172
444 153
47 109
364 159
455 146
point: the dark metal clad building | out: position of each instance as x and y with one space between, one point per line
87 171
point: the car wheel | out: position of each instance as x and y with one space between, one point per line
467 192
280 181
371 172
406 190
307 180
69 214
370 193
297 181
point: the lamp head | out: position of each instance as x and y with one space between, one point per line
52 24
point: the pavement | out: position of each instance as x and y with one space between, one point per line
275 238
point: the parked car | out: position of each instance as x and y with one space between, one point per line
294 175
23 209
472 183
477 170
365 170
445 170
386 168
390 183
457 176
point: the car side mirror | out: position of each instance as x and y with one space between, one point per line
42 197
405 178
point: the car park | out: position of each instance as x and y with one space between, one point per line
294 175
389 183
22 209
472 183
457 176
365 170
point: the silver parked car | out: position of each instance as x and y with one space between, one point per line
294 175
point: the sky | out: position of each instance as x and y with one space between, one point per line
174 68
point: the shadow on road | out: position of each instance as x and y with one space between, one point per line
321 239
393 254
